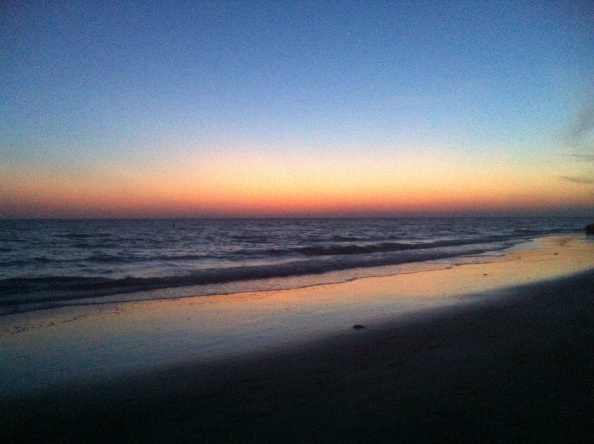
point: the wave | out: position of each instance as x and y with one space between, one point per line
61 260
352 249
542 232
76 236
16 291
307 251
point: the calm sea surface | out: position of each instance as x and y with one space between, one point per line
52 263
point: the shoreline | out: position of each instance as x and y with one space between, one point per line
255 285
506 356
65 291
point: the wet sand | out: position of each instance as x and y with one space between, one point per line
509 358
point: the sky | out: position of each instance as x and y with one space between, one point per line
334 108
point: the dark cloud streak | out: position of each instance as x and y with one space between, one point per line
584 157
578 180
579 135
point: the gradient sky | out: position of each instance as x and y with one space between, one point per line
111 109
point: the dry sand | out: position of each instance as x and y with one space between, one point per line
508 357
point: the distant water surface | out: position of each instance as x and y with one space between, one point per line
46 263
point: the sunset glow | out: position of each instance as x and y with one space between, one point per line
258 110
252 185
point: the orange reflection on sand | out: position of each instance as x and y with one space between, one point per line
373 297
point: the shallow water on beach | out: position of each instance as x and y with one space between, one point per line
45 263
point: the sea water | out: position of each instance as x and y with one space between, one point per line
49 263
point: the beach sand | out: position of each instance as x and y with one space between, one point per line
495 352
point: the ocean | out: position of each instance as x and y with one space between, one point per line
51 263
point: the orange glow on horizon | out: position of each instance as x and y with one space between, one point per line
248 184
